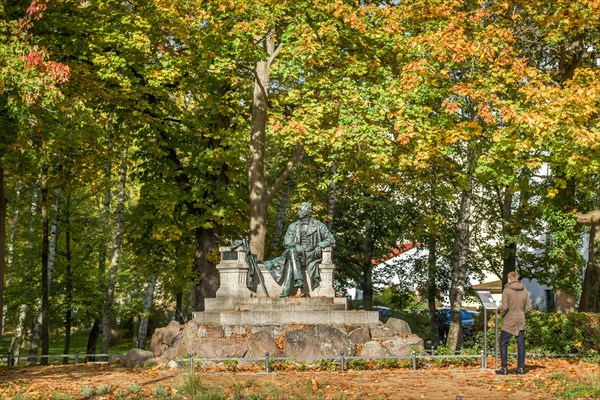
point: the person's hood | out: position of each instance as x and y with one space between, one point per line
516 285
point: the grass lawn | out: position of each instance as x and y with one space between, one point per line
79 340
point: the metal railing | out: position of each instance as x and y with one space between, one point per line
11 359
342 360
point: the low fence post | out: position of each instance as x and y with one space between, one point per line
483 359
414 360
342 361
267 369
76 356
9 359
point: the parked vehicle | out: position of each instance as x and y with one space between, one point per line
384 312
466 319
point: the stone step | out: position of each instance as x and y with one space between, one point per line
281 317
276 304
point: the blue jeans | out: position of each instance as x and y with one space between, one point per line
504 340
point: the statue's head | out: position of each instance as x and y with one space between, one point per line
305 210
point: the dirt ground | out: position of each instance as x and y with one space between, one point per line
444 383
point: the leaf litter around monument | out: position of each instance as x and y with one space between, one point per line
546 379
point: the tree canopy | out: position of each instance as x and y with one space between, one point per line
137 138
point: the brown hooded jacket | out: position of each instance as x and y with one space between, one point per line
515 303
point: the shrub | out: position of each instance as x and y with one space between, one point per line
327 364
160 392
555 333
230 365
357 364
573 333
388 363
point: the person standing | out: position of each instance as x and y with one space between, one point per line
515 303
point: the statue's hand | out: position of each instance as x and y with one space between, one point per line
299 249
318 252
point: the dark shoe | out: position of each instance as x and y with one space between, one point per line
520 371
285 293
502 371
299 283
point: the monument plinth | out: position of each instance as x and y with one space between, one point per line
241 298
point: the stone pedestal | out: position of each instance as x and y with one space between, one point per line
233 271
269 311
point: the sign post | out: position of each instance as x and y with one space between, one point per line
488 303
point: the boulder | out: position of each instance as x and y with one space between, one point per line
317 340
221 348
156 362
137 357
373 349
361 334
401 327
184 342
172 330
382 332
404 345
156 344
291 340
174 364
262 343
163 338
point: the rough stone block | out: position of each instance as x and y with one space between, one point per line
382 332
401 327
317 340
360 334
403 346
373 349
262 343
137 357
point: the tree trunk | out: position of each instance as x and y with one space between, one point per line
19 333
207 242
42 322
145 317
114 263
93 340
2 246
260 194
179 307
331 199
595 284
590 297
95 331
17 340
45 333
432 292
367 266
509 256
277 242
256 170
459 265
35 333
68 281
590 291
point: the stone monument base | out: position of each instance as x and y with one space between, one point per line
281 311
208 340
